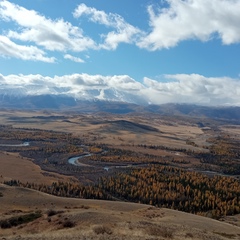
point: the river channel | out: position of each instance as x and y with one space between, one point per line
75 161
25 144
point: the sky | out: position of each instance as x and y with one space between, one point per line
180 51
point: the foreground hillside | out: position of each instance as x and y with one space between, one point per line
63 218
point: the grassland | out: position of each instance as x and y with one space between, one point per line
95 219
121 143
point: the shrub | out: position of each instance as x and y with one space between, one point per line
51 212
69 224
5 224
15 221
226 235
189 235
102 230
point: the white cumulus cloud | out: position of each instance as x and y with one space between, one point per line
74 59
48 34
192 19
10 49
123 32
29 35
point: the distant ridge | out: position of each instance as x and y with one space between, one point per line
67 103
224 112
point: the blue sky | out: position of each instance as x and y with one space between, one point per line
159 51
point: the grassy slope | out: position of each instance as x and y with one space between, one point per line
95 219
13 166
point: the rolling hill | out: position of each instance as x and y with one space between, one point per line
63 218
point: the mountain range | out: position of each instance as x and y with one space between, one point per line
114 105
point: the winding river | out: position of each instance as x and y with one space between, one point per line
25 144
75 161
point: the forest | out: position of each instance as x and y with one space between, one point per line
170 187
160 186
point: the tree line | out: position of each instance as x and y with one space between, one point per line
170 187
161 186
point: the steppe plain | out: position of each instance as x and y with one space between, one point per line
99 219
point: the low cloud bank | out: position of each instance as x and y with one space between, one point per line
179 88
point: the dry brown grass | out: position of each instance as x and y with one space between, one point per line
98 129
102 230
90 219
165 232
70 219
13 166
227 235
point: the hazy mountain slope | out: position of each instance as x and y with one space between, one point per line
114 105
195 110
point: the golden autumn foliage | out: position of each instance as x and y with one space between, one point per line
175 188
